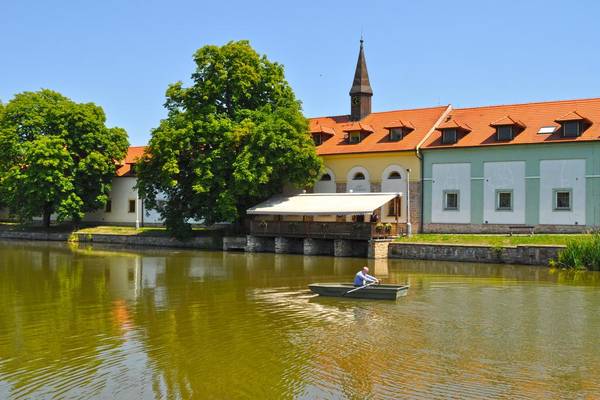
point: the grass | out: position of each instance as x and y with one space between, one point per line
494 240
581 254
97 230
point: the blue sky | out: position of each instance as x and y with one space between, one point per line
123 54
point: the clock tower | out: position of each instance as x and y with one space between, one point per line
361 92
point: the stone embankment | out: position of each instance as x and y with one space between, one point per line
209 242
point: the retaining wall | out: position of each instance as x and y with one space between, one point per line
526 254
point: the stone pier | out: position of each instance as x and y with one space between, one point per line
286 245
349 248
258 244
378 248
318 247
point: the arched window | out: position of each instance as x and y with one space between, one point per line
359 176
326 178
394 175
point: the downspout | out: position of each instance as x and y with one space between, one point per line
422 162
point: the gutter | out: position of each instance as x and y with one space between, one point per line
420 157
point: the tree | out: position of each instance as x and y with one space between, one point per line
233 138
56 156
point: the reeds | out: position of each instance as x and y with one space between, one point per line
582 253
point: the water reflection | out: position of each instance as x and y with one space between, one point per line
81 322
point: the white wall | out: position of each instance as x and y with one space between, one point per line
562 174
395 186
358 186
451 177
326 186
122 191
504 176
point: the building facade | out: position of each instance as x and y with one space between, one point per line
496 169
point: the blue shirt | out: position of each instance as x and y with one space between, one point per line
362 279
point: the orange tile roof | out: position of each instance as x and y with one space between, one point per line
357 127
423 120
533 116
572 116
133 153
453 123
400 124
507 120
322 129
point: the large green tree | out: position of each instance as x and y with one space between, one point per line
234 137
56 156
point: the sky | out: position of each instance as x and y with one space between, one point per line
122 54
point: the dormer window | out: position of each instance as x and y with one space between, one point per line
573 124
507 128
354 137
571 128
318 139
396 134
449 136
504 132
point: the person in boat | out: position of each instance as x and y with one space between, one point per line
363 278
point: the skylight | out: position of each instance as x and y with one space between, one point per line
547 129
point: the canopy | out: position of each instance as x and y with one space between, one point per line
323 204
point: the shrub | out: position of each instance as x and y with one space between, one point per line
581 253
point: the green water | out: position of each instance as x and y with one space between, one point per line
80 323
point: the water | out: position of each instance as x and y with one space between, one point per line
80 323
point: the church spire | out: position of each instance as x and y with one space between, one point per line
361 92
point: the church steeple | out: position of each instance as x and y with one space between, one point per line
361 92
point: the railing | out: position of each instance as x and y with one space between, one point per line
323 230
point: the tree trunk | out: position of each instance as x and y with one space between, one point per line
47 214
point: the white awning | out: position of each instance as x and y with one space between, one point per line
323 204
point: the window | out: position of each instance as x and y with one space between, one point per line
318 139
108 207
562 199
394 175
449 136
570 129
504 132
326 178
394 207
451 200
546 130
396 134
504 200
359 176
354 137
132 206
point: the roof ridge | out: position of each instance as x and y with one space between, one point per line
384 112
531 103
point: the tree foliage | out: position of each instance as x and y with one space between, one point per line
233 138
56 156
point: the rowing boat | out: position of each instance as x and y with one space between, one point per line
376 292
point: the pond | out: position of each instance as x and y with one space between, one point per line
98 322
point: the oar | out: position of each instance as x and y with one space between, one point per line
358 288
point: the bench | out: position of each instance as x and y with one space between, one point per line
530 230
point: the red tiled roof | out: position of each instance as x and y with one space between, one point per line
453 123
533 116
422 120
507 120
572 116
322 129
357 127
400 124
133 153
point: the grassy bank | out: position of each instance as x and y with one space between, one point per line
494 240
99 230
581 254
